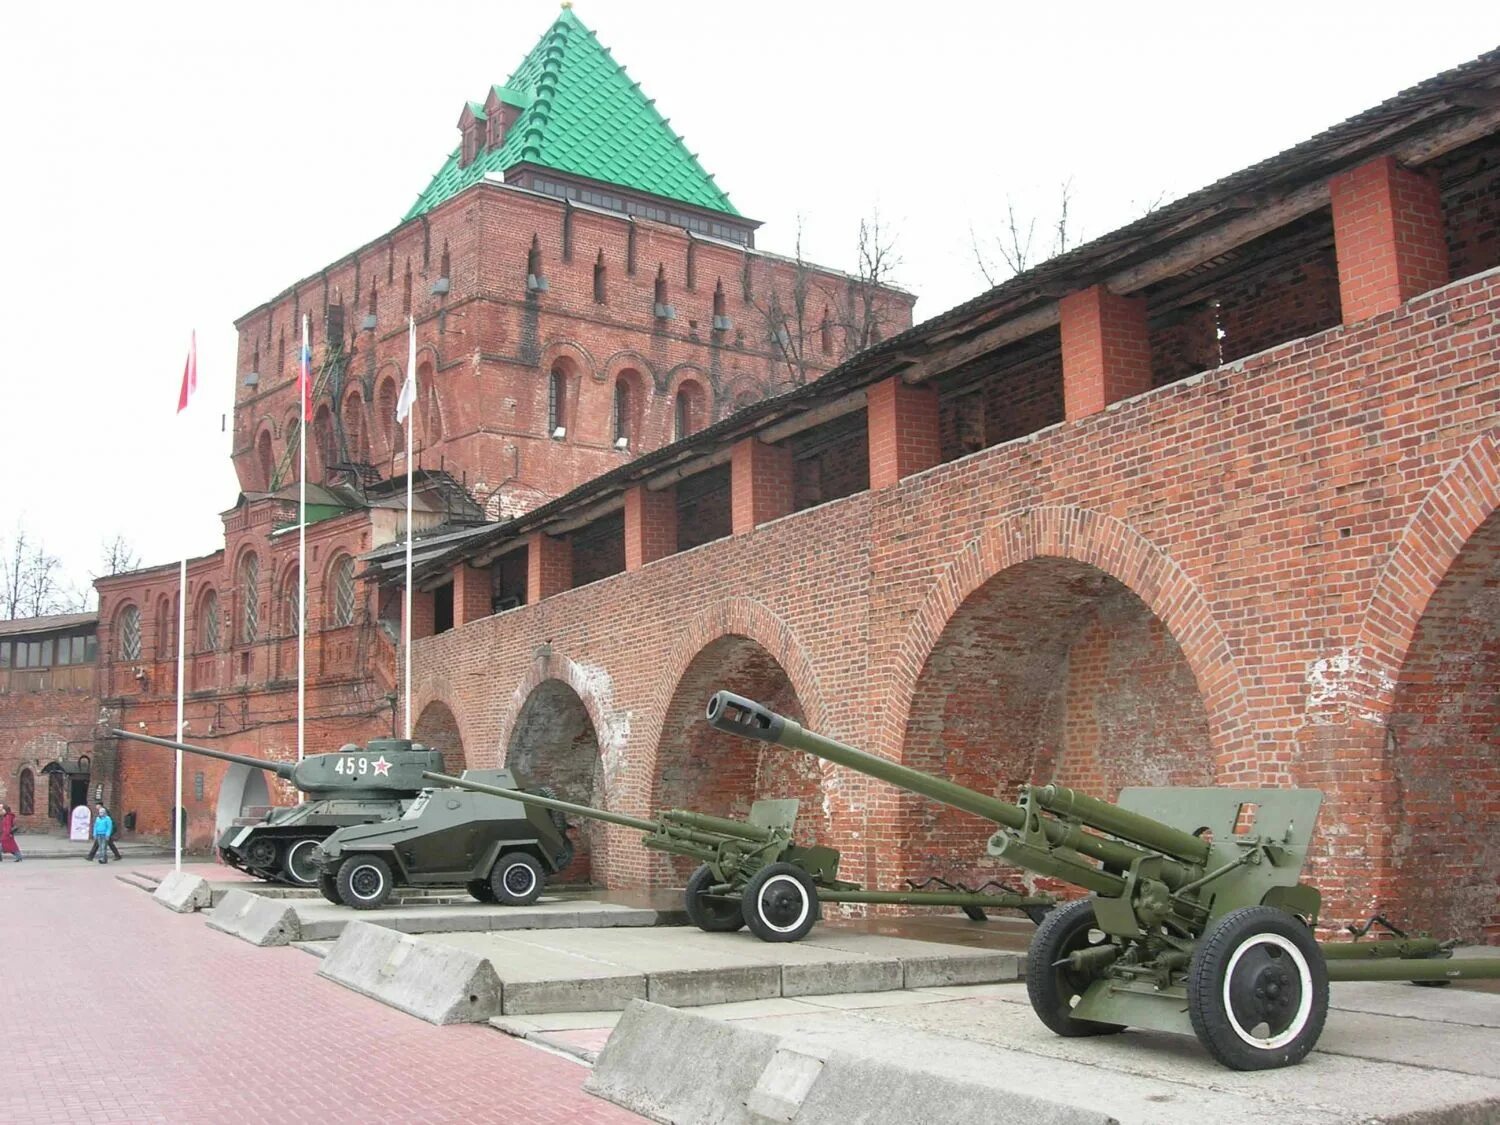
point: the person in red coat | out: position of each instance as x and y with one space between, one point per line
8 845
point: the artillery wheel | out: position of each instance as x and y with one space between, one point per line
1258 989
480 889
261 853
364 881
328 887
780 903
297 864
1052 988
517 879
715 916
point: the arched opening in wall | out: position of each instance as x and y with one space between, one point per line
385 412
629 409
432 411
265 461
557 400
325 443
687 409
700 769
293 431
554 744
1052 670
1444 740
356 439
437 728
242 793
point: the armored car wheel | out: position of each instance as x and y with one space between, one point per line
364 881
328 887
480 889
517 879
261 853
715 916
1054 988
297 865
780 903
1258 989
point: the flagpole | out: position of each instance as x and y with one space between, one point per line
181 667
305 377
411 375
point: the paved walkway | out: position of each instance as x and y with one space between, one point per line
57 845
117 1010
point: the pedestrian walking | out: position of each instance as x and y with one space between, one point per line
110 841
103 828
8 845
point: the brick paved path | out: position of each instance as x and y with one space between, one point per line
115 1009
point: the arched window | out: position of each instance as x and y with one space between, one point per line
354 429
341 588
293 432
385 410
686 410
622 413
166 630
208 623
130 633
557 403
27 799
264 460
249 599
291 594
325 441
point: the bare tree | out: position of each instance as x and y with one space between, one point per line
117 556
785 320
1013 250
863 315
42 591
13 574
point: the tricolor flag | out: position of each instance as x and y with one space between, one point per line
189 374
409 388
304 374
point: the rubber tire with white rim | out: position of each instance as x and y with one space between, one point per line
780 903
354 881
303 847
511 886
1266 962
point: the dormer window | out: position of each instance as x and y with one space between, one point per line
474 127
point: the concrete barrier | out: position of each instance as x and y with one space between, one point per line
184 893
671 1065
256 919
433 981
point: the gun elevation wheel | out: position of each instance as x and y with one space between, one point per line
328 887
261 853
516 879
716 916
480 889
1258 989
297 865
780 903
364 882
1055 988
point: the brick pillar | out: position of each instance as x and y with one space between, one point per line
650 525
421 614
903 431
1106 350
760 484
471 594
549 566
1388 234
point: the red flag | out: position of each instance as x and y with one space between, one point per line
189 375
304 374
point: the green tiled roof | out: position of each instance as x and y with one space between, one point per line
583 115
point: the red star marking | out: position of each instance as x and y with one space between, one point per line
382 767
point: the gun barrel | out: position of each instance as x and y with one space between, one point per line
280 769
545 802
1105 817
735 714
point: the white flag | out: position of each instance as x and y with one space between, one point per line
409 388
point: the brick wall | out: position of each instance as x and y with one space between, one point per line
1211 581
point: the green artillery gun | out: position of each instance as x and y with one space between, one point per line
743 865
357 785
1198 922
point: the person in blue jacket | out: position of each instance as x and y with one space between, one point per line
103 828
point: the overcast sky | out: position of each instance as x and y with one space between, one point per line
169 166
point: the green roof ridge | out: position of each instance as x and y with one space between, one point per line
582 114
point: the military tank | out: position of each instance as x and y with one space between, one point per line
353 786
496 848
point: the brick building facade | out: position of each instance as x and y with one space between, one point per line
1212 499
575 307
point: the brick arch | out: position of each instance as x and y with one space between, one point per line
1452 512
1116 549
629 358
593 687
746 618
437 689
581 361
